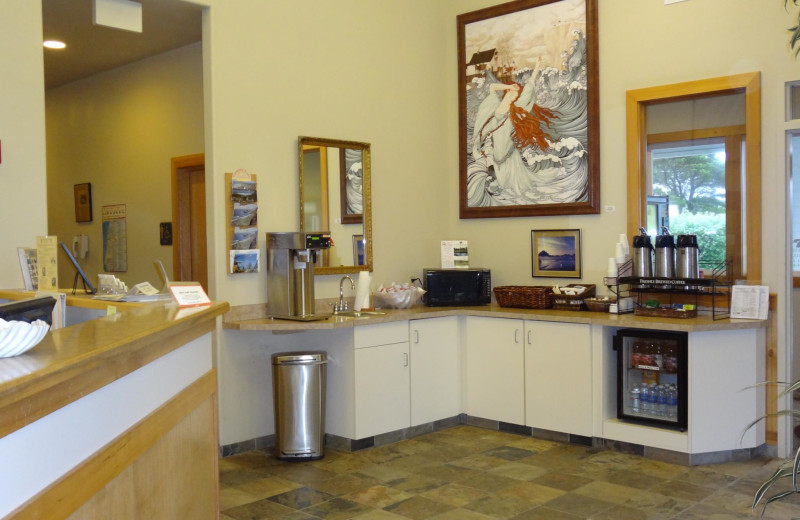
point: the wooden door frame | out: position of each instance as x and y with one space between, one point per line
185 162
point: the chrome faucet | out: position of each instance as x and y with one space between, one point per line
342 305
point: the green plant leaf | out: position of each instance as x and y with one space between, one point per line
775 498
780 473
779 413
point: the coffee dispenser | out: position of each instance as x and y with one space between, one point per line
642 254
290 273
665 255
687 264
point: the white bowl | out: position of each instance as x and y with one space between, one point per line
17 337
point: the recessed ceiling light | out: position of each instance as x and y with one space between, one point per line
54 44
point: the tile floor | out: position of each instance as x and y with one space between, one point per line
473 473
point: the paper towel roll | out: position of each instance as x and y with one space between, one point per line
362 291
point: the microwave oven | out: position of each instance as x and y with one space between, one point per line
456 287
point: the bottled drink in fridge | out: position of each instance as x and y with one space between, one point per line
661 401
672 403
635 399
644 396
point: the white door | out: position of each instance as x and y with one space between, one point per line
495 369
435 369
382 389
558 377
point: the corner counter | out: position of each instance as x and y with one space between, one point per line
101 414
497 367
252 317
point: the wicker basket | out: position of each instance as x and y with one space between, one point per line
566 302
664 312
597 305
525 297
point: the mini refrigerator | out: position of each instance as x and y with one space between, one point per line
652 377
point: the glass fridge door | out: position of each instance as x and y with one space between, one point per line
652 377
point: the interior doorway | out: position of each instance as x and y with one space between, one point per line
189 261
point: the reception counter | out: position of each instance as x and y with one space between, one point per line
113 417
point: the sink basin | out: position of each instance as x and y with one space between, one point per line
357 314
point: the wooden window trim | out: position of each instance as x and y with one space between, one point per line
637 102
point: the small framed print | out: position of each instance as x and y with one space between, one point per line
556 253
165 233
83 202
359 246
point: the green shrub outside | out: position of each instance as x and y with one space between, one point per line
710 231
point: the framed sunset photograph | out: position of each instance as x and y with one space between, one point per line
556 253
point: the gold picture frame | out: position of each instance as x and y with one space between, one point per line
556 253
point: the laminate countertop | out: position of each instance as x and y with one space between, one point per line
74 361
253 317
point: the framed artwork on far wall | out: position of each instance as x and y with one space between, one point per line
556 253
351 171
83 202
359 246
528 109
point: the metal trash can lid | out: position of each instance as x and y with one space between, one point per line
299 358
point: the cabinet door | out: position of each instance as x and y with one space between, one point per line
382 389
495 369
435 369
558 377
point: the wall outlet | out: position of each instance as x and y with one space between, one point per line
610 209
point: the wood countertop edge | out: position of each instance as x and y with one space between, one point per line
701 324
63 379
86 301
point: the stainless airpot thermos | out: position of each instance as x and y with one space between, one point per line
665 255
687 265
642 254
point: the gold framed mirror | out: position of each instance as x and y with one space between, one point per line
336 196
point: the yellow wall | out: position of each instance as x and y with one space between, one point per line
385 72
118 130
23 194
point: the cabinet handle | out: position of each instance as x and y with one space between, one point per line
529 338
516 335
416 337
405 357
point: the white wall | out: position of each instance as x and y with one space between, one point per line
23 194
118 130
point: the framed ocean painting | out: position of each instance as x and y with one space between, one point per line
556 253
528 109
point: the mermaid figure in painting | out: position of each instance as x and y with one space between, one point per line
528 136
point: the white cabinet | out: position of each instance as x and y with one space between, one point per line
558 377
495 369
435 369
382 394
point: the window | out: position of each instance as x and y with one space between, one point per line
694 187
677 120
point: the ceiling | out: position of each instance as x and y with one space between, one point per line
91 49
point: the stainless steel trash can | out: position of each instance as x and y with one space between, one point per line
298 388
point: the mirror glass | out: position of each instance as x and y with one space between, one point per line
335 196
